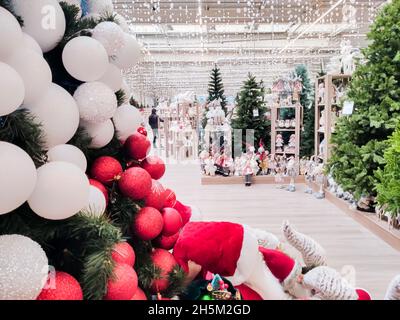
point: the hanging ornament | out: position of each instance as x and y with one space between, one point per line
142 130
110 35
135 183
124 283
30 43
166 242
101 187
170 198
123 253
101 133
156 197
137 146
61 286
112 78
96 205
106 170
67 153
172 221
155 166
148 223
10 33
24 268
127 119
12 89
97 103
130 53
166 262
139 295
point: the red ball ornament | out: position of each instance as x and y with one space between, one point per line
156 197
62 287
170 198
139 295
106 170
165 242
148 223
137 146
135 183
166 262
155 166
142 130
172 221
123 253
101 187
123 285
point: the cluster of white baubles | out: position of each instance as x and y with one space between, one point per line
59 189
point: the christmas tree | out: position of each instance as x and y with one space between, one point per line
251 111
361 139
307 101
215 92
100 234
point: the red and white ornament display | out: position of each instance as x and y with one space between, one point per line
148 223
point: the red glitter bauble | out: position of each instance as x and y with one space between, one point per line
156 197
164 242
155 166
101 187
172 221
166 262
139 295
106 170
137 146
142 131
135 183
148 223
123 253
123 285
170 198
61 287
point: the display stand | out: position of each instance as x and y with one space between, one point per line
329 90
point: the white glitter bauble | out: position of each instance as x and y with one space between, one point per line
122 22
100 6
112 77
110 35
23 268
130 54
101 133
127 119
96 102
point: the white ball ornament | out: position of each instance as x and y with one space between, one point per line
96 102
30 43
101 133
129 55
121 22
18 177
96 203
10 34
76 3
34 71
67 153
24 268
127 119
58 114
85 59
112 77
100 6
61 191
12 89
110 35
44 20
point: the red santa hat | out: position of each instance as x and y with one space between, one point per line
363 294
184 211
283 267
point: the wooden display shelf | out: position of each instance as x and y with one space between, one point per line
368 220
217 180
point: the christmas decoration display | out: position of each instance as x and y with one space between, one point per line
106 169
165 262
124 284
360 139
67 153
127 119
251 111
61 286
12 89
148 223
10 33
135 183
137 146
154 166
110 35
123 253
19 177
129 54
52 198
24 268
101 133
172 221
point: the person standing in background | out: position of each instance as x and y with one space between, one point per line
153 122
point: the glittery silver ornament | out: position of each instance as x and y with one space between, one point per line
23 268
110 35
96 102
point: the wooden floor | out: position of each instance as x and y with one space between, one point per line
265 206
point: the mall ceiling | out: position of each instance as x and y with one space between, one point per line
184 39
